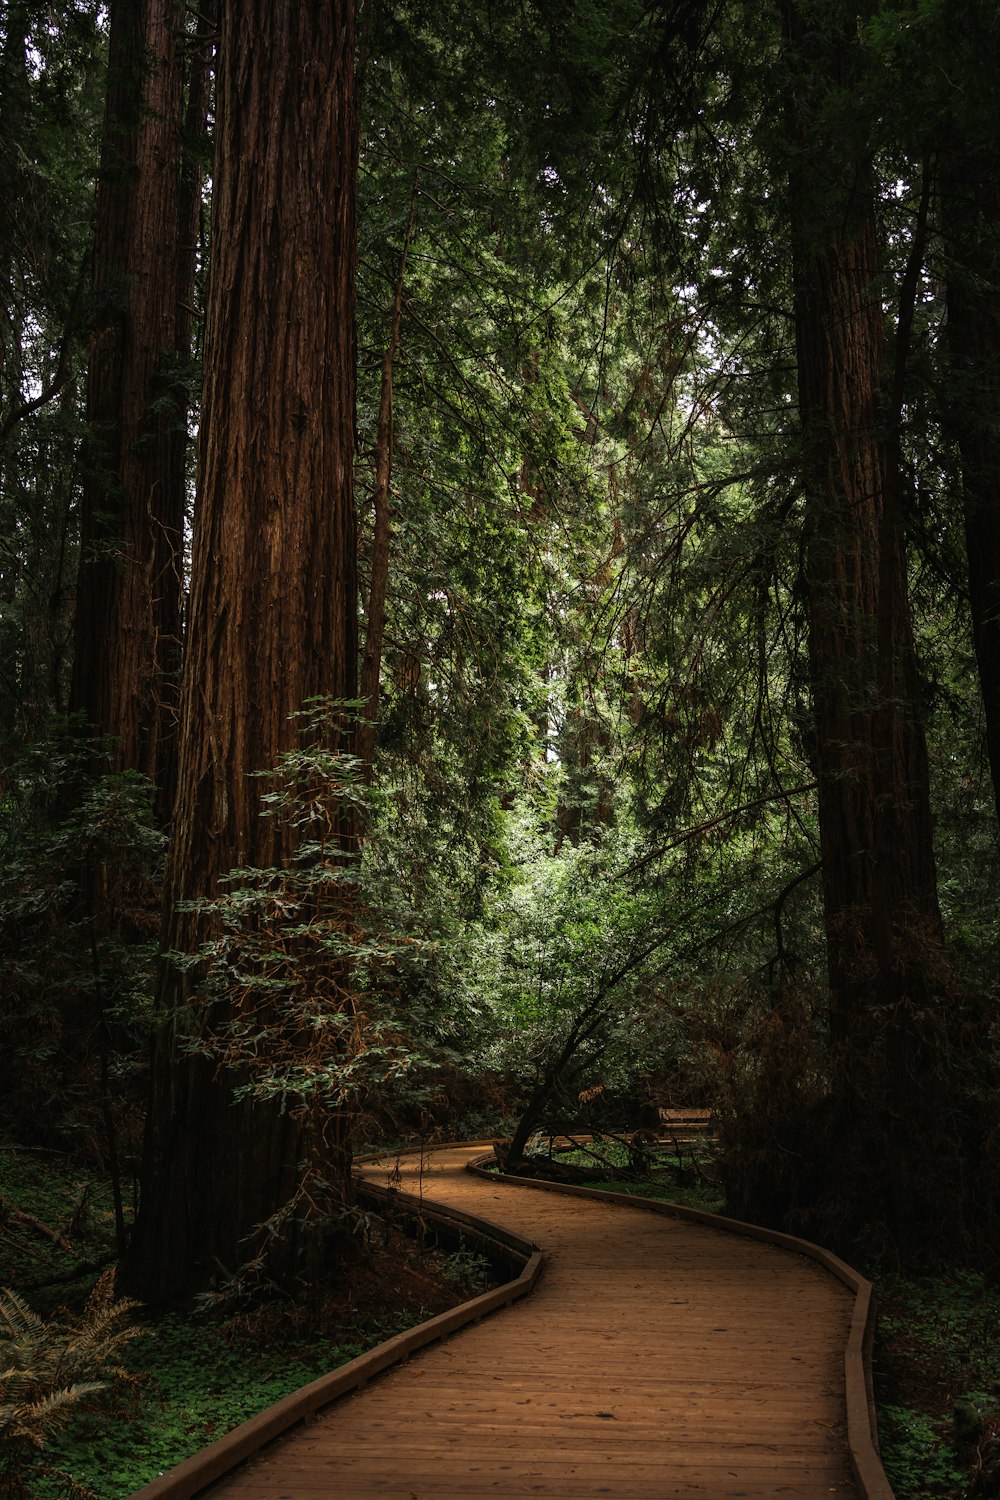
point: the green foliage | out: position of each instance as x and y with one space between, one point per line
196 1379
51 86
301 970
557 978
470 1272
79 907
645 1171
917 1454
593 820
938 1383
499 488
49 1372
202 1384
701 1195
298 989
948 1310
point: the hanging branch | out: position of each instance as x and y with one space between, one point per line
772 908
371 662
784 794
64 365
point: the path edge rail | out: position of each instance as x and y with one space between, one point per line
203 1468
862 1424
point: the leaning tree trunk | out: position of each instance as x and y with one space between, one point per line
883 926
126 658
273 597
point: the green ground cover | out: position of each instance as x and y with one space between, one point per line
937 1359
702 1195
674 1176
187 1378
937 1382
201 1384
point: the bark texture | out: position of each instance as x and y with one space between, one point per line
884 935
273 596
970 210
127 649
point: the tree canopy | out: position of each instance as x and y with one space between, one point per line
506 498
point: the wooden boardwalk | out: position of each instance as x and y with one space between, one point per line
656 1360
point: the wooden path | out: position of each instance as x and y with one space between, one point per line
656 1360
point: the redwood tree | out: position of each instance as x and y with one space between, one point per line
970 214
273 596
889 980
127 652
972 222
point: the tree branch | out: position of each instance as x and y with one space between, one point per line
784 794
62 370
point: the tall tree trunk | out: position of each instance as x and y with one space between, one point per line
884 932
129 591
273 607
970 210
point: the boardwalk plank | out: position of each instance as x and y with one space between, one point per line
719 1361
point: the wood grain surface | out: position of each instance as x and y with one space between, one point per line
656 1358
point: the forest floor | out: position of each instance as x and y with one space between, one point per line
937 1384
937 1358
195 1374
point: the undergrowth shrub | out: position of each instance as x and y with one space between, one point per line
52 1371
298 995
80 869
766 1061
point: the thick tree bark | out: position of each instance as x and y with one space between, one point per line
970 210
884 932
273 597
129 589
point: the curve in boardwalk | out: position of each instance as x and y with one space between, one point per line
658 1359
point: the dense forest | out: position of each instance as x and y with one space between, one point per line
500 605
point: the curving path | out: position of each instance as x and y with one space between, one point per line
656 1360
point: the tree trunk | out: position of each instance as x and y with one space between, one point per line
273 596
970 208
129 589
884 932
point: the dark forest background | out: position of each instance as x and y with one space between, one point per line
500 602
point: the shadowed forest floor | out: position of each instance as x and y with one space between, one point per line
936 1348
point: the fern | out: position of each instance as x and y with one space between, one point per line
35 1421
51 1372
16 1318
